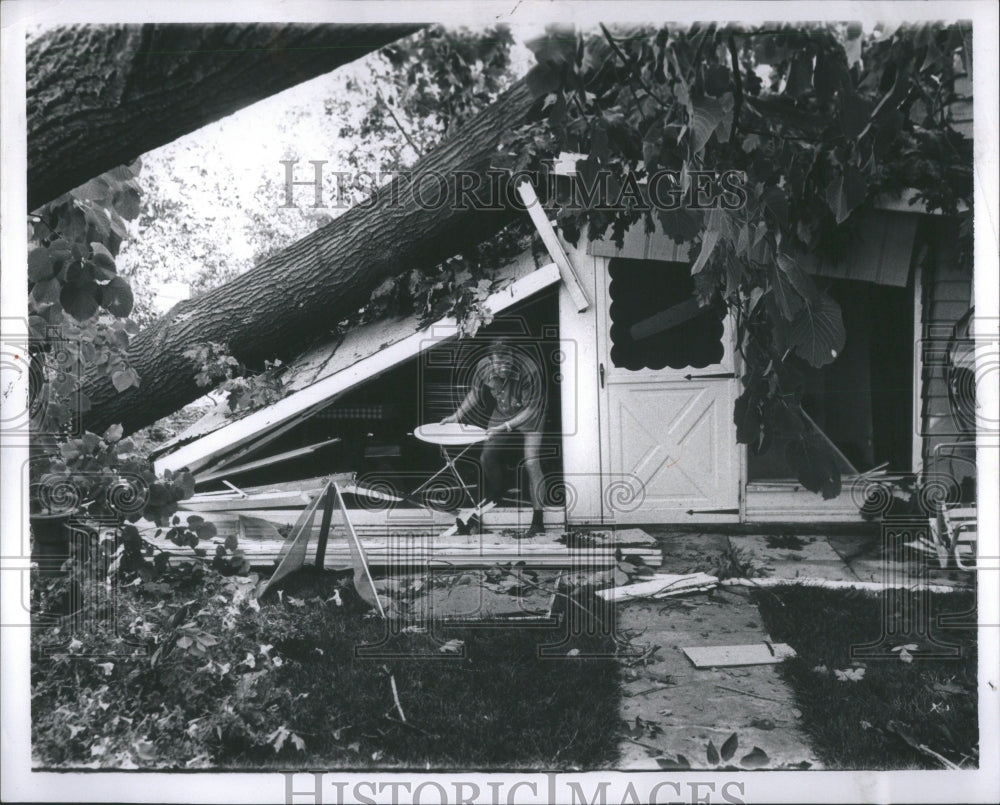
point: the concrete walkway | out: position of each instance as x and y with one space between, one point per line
680 707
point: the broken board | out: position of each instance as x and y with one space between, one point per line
660 585
751 654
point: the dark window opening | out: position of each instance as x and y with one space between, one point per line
862 401
656 321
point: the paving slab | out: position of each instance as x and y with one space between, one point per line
691 552
789 556
681 707
865 556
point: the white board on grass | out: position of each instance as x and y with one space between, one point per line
751 654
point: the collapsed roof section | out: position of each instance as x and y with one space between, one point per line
325 372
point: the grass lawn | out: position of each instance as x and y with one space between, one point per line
279 686
871 718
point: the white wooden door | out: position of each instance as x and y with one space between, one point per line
668 438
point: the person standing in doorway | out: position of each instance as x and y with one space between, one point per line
509 386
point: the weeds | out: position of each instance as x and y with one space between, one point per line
194 672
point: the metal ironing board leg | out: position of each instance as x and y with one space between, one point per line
449 464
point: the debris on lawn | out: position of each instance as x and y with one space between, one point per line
903 732
850 674
751 654
660 585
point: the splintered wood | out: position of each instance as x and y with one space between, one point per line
660 585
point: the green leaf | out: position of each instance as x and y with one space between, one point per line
122 380
80 300
730 746
207 530
711 753
716 79
680 764
116 297
557 45
46 292
845 192
776 201
39 265
542 80
681 225
800 75
63 384
799 280
855 112
747 419
710 238
113 433
707 115
232 542
103 259
817 333
185 480
127 203
756 759
788 301
815 465
94 190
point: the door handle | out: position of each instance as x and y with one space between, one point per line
601 371
713 376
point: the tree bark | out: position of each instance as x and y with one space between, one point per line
298 295
100 96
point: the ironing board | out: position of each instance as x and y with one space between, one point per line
452 436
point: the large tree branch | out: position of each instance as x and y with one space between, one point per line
99 96
299 294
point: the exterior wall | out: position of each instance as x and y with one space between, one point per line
947 295
580 395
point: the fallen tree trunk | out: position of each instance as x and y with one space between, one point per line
298 295
99 96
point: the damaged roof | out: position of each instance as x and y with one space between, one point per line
324 372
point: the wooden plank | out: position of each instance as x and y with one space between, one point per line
324 528
264 462
250 445
303 403
220 503
661 585
264 551
727 656
363 583
303 485
552 244
834 584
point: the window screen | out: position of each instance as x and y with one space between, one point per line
655 321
